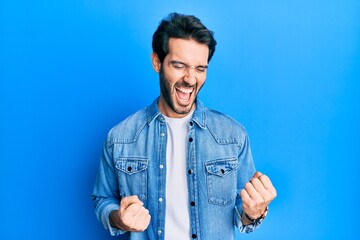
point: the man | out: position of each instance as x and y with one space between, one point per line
178 170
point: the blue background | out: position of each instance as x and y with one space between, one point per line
288 70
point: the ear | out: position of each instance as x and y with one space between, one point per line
155 62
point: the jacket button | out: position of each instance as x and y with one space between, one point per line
194 236
129 169
191 124
190 139
189 171
222 171
192 203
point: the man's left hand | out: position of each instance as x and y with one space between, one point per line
257 195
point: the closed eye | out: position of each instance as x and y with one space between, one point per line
182 66
178 65
201 68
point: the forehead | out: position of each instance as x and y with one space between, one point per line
188 51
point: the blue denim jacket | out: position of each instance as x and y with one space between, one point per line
219 163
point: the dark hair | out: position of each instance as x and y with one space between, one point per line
182 26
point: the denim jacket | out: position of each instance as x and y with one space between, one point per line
219 163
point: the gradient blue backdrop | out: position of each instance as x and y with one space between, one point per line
288 70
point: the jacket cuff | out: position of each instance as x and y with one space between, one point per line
244 228
105 220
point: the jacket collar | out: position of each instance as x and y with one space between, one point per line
152 111
199 114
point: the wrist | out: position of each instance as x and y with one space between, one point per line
114 219
250 220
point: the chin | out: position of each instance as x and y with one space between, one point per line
183 110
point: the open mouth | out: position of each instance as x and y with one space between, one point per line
184 94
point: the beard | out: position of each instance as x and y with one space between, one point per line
169 96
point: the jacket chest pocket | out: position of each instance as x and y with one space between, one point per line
221 180
132 176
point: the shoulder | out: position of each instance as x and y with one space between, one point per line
216 117
222 126
222 120
128 129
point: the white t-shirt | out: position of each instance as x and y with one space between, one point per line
177 224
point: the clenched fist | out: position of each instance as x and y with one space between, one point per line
256 196
131 216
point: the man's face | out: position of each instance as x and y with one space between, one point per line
182 74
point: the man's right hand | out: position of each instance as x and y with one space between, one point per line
131 216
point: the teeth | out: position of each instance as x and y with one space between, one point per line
185 90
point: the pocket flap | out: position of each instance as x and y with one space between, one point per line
221 167
131 165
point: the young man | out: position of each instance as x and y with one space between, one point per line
178 170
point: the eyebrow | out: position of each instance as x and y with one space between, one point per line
179 62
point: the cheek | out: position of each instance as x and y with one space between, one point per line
201 82
172 79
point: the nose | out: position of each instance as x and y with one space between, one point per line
190 76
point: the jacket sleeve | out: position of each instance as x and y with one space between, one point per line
245 172
106 195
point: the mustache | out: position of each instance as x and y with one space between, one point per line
185 85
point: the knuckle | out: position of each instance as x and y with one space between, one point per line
248 185
140 227
258 202
242 192
144 224
274 193
255 181
264 177
135 197
267 197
